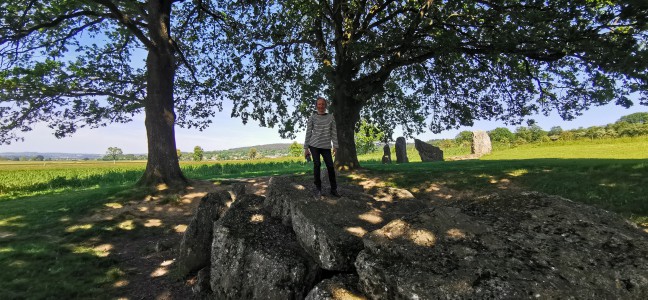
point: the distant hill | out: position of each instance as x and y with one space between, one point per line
269 147
279 149
52 156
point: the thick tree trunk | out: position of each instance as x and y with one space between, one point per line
162 166
347 114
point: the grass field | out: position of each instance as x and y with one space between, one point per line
47 252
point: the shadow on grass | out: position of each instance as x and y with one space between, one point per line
61 246
619 185
65 183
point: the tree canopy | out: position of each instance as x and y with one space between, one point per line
440 64
114 152
88 63
640 117
198 153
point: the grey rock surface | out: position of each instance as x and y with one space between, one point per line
331 229
202 282
283 192
340 287
401 150
427 151
255 256
520 246
238 190
386 158
195 247
481 143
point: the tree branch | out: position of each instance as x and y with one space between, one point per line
128 22
53 23
184 59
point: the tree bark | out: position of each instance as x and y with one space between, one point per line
347 114
162 166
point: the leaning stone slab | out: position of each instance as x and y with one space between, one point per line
515 247
255 256
195 247
337 288
427 151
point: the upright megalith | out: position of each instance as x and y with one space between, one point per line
401 150
255 256
481 143
386 158
427 151
195 247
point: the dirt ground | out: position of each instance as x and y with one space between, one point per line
146 260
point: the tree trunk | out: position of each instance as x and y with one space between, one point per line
162 166
347 114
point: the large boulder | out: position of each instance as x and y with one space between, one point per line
195 247
331 229
516 247
427 151
401 150
255 256
481 143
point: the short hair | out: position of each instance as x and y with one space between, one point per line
321 98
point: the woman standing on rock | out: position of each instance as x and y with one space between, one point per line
320 133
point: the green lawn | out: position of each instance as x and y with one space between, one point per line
48 252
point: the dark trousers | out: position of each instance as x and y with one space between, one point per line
328 160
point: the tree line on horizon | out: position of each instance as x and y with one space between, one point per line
368 140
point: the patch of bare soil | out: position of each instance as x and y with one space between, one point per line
147 255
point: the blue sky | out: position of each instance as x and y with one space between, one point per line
226 133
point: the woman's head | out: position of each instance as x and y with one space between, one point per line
321 105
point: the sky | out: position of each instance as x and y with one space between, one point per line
227 133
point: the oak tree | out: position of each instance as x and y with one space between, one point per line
88 63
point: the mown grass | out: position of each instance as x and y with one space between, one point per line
48 251
611 174
32 178
45 253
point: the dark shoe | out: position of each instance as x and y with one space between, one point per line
317 194
335 193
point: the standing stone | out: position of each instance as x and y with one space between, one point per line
427 151
481 143
401 150
386 158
